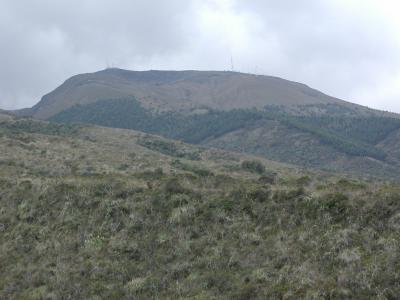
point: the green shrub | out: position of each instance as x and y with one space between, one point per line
267 178
155 174
191 168
304 180
173 186
335 204
35 126
253 166
260 194
169 148
350 184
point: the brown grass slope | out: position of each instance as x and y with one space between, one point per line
183 91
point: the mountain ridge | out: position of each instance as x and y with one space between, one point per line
182 90
267 116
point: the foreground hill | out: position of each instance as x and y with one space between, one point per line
97 213
267 116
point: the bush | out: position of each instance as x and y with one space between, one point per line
260 195
335 204
169 148
201 172
174 187
253 166
304 180
267 178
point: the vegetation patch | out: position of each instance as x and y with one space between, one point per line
169 148
253 166
33 126
343 129
202 172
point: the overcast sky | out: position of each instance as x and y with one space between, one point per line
349 49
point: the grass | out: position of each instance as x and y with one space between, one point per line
75 225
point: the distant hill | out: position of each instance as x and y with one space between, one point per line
268 116
183 91
5 116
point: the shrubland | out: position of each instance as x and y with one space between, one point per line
319 136
114 214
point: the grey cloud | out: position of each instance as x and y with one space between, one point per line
327 47
44 42
320 43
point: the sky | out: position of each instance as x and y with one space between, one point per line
349 49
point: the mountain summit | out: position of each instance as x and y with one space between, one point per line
183 91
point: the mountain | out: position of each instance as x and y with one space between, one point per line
89 212
183 91
267 116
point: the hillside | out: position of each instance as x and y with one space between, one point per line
183 91
5 116
99 213
267 116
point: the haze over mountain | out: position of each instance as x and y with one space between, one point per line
268 116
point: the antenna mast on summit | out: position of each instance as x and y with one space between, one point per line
232 66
